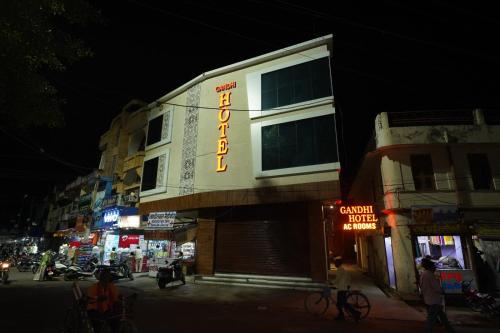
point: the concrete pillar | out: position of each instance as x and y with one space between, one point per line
317 242
404 264
205 247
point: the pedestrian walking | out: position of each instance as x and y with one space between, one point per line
432 293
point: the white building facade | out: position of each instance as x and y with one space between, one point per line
435 179
249 151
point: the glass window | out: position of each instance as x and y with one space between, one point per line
154 130
299 143
480 171
295 84
422 171
149 174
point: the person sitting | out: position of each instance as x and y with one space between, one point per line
103 297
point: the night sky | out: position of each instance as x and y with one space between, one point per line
389 56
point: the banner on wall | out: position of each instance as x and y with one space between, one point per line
161 220
127 240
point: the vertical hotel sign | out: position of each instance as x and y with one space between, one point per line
223 115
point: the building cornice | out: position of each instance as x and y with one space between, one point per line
325 40
253 196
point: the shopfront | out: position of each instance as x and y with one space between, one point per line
277 245
487 243
446 245
159 238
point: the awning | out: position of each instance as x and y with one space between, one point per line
186 234
180 234
64 232
158 235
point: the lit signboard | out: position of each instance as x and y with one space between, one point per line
223 116
111 215
131 221
359 217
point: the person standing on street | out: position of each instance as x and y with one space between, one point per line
138 259
113 256
433 297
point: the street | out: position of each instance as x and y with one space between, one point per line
29 305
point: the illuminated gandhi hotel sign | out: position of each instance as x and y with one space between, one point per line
359 217
223 116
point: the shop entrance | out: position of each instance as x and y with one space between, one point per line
448 254
262 247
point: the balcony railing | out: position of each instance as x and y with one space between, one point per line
431 118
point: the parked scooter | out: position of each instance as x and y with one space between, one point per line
170 273
4 270
479 302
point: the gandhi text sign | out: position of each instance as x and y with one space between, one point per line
359 217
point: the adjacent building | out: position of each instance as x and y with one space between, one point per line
434 179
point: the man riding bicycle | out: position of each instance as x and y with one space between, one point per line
103 299
342 283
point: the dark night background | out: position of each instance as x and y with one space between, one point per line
388 56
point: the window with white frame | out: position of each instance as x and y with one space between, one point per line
159 127
295 144
154 173
279 88
295 84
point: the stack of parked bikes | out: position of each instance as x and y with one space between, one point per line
61 266
480 302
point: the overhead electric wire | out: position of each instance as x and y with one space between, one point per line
385 32
41 151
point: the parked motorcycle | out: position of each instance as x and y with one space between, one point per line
118 272
75 272
170 273
121 271
479 302
24 264
4 269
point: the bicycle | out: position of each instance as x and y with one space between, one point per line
317 302
77 319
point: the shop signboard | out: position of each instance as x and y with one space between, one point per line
127 240
358 218
451 280
131 221
434 214
161 220
437 229
110 217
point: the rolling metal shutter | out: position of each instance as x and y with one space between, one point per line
262 247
